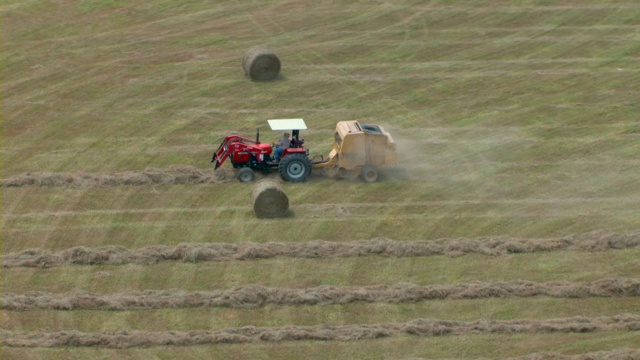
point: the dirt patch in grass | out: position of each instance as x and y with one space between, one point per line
495 246
255 296
418 327
175 174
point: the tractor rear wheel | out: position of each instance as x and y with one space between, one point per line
246 175
369 173
295 167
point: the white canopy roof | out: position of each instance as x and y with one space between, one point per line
287 124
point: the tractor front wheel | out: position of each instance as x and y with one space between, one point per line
246 175
295 167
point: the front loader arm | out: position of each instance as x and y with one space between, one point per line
220 155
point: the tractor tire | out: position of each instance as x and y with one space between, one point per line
295 168
369 173
246 175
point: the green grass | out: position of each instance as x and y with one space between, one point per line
58 218
512 119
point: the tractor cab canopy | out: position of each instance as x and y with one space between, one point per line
295 125
287 124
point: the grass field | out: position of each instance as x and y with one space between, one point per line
509 227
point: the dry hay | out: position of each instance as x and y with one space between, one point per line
269 199
175 174
250 334
617 354
255 296
112 255
261 64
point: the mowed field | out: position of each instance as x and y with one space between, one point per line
508 228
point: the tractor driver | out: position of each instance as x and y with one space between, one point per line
284 143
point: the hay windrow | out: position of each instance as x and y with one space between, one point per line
249 334
256 296
617 354
190 252
172 175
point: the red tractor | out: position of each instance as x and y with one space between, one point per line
250 155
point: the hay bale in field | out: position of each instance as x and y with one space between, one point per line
269 200
261 64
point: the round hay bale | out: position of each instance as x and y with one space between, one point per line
261 64
269 200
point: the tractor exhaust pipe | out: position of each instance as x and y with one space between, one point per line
257 135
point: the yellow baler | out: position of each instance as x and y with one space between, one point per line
359 149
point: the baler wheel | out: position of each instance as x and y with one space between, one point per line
369 173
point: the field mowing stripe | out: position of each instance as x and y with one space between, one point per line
465 64
382 78
340 215
250 334
344 36
332 206
431 134
594 215
433 32
190 175
354 38
516 38
511 8
200 252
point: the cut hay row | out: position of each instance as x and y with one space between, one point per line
418 327
190 175
617 354
255 296
200 252
172 175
